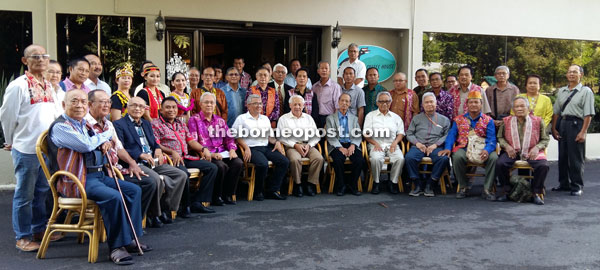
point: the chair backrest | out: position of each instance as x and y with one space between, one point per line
41 149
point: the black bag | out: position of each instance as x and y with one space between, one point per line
562 108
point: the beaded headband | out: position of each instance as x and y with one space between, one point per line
150 68
126 70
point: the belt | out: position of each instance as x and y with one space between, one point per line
571 118
94 170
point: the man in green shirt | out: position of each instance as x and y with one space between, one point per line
372 89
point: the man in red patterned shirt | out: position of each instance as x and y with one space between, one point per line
174 138
245 78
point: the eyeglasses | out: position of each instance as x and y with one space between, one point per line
136 106
208 75
208 102
399 80
255 103
39 56
104 102
54 72
233 74
75 101
384 101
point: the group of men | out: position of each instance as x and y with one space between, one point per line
275 122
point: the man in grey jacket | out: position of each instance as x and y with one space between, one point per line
344 138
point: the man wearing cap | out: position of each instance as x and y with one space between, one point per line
476 126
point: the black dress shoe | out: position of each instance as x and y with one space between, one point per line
341 191
393 187
229 200
184 213
199 208
218 202
298 191
560 188
275 196
416 192
577 192
154 222
259 197
355 192
502 198
309 190
375 189
537 199
166 218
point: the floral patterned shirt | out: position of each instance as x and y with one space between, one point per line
213 134
173 136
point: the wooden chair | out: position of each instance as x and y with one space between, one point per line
471 165
249 174
331 171
524 165
305 162
427 162
90 220
386 162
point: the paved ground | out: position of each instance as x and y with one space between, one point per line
329 232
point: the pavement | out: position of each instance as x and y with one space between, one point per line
368 232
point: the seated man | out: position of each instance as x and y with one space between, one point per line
345 144
138 139
383 131
302 146
99 104
427 134
261 149
522 137
211 131
174 139
72 142
478 126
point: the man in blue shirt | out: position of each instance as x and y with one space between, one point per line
478 127
235 95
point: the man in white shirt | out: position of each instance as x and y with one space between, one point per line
382 145
28 110
93 82
359 67
298 133
290 79
262 148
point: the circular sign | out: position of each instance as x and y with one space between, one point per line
374 56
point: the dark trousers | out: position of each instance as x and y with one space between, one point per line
228 175
540 170
103 190
261 155
414 157
338 166
148 186
209 173
571 155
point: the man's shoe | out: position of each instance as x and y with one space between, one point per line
165 218
132 248
488 196
577 192
469 184
428 191
218 202
120 256
341 191
393 187
27 245
561 188
154 222
355 192
229 200
502 198
462 193
375 189
416 192
275 196
259 197
37 237
199 208
537 199
184 213
309 190
298 192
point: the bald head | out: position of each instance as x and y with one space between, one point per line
136 108
36 59
29 50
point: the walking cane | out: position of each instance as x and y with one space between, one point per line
135 238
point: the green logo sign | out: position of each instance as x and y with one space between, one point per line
374 56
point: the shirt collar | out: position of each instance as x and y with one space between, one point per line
294 117
139 124
79 123
468 115
340 115
380 113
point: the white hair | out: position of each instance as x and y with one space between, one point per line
297 97
250 97
384 93
280 65
429 94
205 94
502 67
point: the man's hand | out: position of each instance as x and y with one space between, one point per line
556 135
279 148
161 160
430 149
176 159
393 147
232 154
148 158
247 154
105 147
497 123
306 148
533 153
343 150
580 137
444 152
7 147
351 149
216 156
377 147
484 155
134 169
421 147
510 152
300 149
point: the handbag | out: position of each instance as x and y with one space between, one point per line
562 108
475 145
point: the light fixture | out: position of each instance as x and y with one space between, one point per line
336 35
159 25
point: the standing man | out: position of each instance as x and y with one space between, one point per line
357 95
445 103
278 82
372 89
501 95
269 96
460 92
574 106
328 92
79 70
405 102
450 82
345 144
290 79
360 69
427 134
28 110
235 95
208 77
245 78
421 76
194 75
472 124
93 82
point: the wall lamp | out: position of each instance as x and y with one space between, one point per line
159 25
336 35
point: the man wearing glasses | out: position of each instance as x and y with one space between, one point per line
235 95
28 110
501 94
208 77
359 67
279 75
